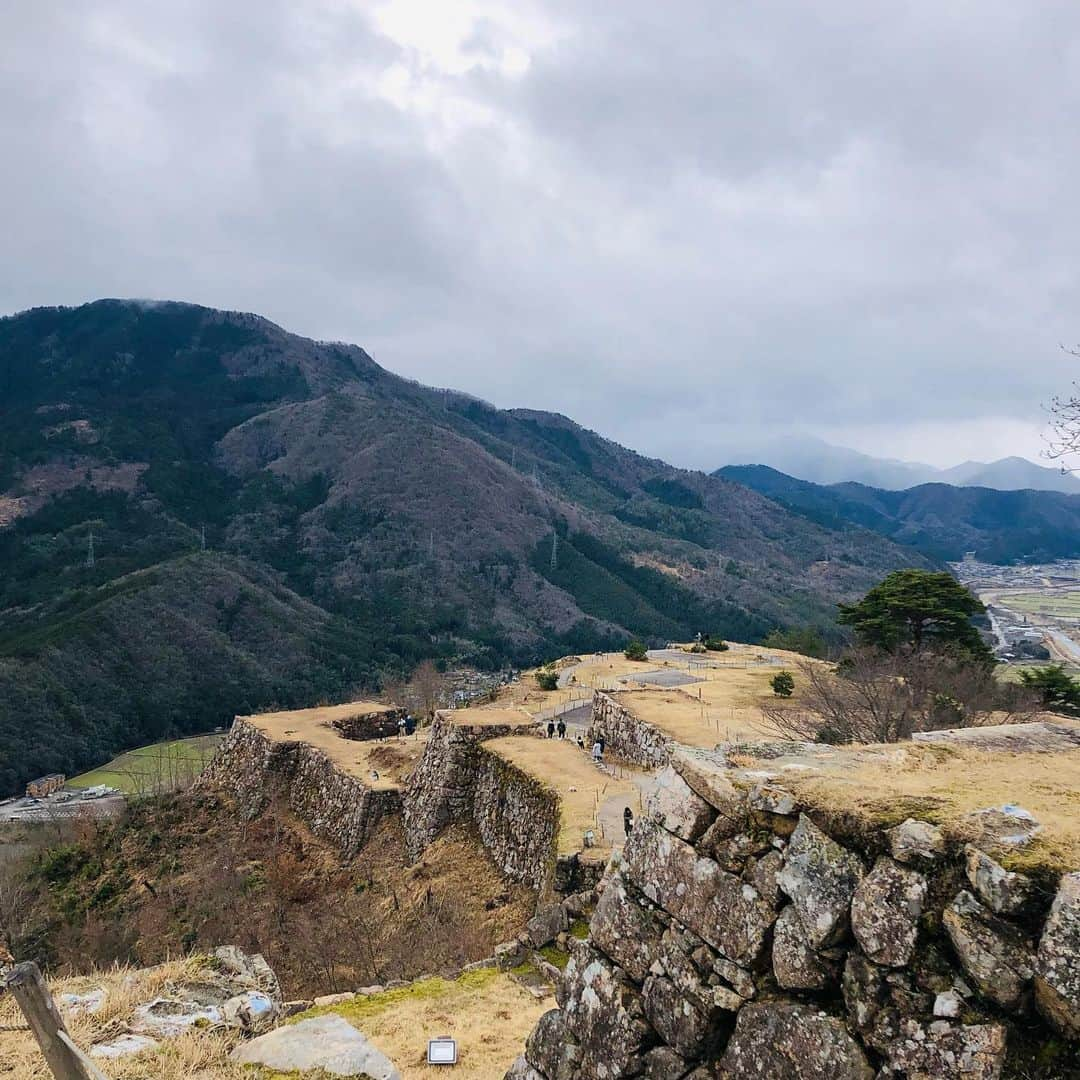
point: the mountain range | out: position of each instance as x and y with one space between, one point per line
819 462
942 521
202 514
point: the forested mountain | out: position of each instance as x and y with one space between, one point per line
353 522
939 520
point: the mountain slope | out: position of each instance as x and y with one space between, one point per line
818 462
942 521
423 520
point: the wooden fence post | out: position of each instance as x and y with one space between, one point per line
61 1055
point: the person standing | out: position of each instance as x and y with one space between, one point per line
551 729
628 820
597 752
560 727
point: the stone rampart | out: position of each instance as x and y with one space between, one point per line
370 725
458 781
626 735
744 935
335 806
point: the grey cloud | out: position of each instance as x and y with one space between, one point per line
683 224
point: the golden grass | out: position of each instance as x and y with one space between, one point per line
488 1014
359 759
198 1055
562 766
944 784
486 717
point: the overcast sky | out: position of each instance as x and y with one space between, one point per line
687 225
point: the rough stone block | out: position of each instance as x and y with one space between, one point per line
604 1012
996 955
548 922
820 877
944 1049
725 912
915 841
1057 979
678 808
708 776
787 1041
551 1049
626 931
678 1021
885 912
1001 890
795 963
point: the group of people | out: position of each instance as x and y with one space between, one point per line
557 730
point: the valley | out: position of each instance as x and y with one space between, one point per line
1031 607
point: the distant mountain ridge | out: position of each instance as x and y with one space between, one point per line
402 521
942 521
819 462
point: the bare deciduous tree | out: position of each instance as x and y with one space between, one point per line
1064 439
874 697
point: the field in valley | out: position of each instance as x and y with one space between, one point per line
163 766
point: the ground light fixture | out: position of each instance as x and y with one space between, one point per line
442 1051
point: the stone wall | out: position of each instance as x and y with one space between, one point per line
457 780
624 734
742 935
335 806
372 725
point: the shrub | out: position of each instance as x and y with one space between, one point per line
782 683
547 679
715 644
636 651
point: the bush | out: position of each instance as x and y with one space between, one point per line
547 679
716 644
636 651
782 683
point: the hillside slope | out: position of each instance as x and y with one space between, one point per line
428 522
939 520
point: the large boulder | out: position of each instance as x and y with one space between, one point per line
625 930
880 1001
885 912
1057 967
994 953
727 913
763 872
603 1010
795 964
782 1040
820 877
678 1020
551 1049
943 1049
662 1063
710 779
676 806
520 1069
1001 890
323 1042
916 842
546 925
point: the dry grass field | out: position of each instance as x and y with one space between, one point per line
488 1014
391 758
584 791
946 784
199 1055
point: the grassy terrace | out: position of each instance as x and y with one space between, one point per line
391 758
589 798
946 784
488 1014
158 767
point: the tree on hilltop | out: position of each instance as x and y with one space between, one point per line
1058 691
636 651
918 609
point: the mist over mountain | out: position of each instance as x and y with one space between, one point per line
180 485
820 462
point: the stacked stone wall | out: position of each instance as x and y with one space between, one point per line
335 806
744 935
458 781
627 736
373 725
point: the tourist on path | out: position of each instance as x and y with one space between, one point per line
628 820
551 729
561 728
597 751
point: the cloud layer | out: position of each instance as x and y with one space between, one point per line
687 225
